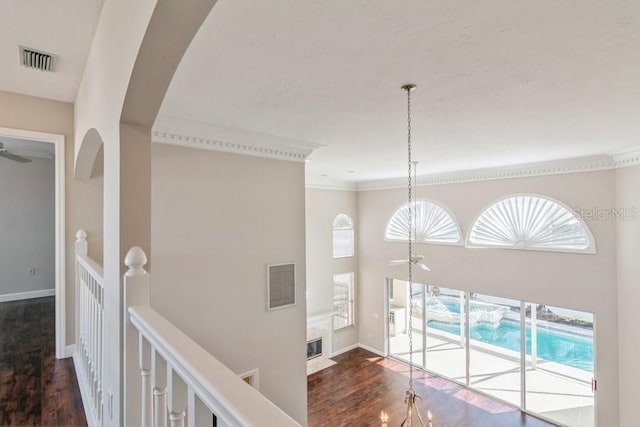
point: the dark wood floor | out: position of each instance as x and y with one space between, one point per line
35 388
361 384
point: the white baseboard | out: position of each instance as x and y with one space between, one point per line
27 295
69 350
372 350
344 350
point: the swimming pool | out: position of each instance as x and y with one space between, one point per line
553 346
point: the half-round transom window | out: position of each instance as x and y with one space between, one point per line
531 222
433 224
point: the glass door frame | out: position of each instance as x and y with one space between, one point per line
466 341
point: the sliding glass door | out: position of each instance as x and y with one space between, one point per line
398 321
495 341
446 337
560 364
536 357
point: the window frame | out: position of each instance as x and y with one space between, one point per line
591 249
351 237
350 301
461 237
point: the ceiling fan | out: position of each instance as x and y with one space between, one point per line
11 156
415 260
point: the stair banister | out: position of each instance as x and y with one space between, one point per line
88 354
171 380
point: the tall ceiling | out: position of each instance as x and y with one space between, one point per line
62 27
499 82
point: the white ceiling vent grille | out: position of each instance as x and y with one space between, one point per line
32 58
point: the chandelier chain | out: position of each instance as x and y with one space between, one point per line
410 223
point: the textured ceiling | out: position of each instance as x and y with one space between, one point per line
62 27
500 82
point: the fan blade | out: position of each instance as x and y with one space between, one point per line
424 267
417 258
29 153
13 157
397 262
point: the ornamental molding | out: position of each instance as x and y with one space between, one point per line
207 136
332 185
627 158
555 167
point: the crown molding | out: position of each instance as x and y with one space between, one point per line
555 167
336 186
207 136
630 157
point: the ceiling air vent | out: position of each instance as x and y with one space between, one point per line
32 58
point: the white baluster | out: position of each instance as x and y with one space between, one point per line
191 407
92 337
198 413
99 353
144 361
177 399
85 325
176 419
159 391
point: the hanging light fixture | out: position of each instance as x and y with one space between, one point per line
412 418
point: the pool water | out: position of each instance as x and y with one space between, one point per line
553 346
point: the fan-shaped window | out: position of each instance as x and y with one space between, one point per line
433 224
531 222
343 236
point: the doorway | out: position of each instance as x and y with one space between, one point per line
19 141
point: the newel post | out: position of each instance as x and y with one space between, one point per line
82 247
137 364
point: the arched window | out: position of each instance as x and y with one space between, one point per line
433 224
533 222
343 236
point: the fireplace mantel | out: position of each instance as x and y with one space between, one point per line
321 316
321 326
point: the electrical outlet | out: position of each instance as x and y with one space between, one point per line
31 272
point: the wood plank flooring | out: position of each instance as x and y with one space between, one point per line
35 388
361 384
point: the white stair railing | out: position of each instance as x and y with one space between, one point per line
90 311
172 381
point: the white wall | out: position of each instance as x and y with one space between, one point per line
322 206
583 282
628 198
217 220
27 226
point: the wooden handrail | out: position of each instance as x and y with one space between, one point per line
91 266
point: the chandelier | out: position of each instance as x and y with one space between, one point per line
412 417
